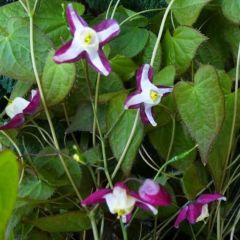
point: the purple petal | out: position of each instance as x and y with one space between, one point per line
207 198
15 122
35 101
121 185
130 97
126 218
106 30
96 197
69 52
74 20
154 194
144 73
181 216
143 115
99 62
194 211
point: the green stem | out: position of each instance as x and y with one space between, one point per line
124 232
115 8
160 33
121 159
234 115
30 14
175 159
172 137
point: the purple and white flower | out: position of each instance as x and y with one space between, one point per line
147 94
19 107
87 42
120 200
197 210
154 193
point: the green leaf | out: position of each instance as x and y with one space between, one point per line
231 10
57 80
67 222
130 42
20 89
225 81
194 180
179 49
201 107
51 170
165 77
121 132
187 11
218 157
8 187
161 138
15 50
146 55
125 67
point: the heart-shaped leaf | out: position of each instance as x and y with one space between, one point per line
201 106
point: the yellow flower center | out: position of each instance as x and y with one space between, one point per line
88 38
154 95
120 212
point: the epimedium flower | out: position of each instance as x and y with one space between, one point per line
147 94
198 210
87 42
18 108
154 193
120 200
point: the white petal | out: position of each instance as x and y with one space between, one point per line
103 35
148 111
165 90
134 100
204 214
111 202
16 107
145 82
97 62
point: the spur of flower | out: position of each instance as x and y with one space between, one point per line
87 42
198 210
18 108
121 201
147 94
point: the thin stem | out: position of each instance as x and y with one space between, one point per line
108 9
96 108
219 232
23 5
18 151
115 8
120 161
234 113
175 159
124 232
160 33
139 13
172 137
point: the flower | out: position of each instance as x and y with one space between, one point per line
197 210
147 94
154 194
120 200
87 42
20 107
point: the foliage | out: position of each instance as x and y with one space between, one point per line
82 138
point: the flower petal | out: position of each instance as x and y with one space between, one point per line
74 20
126 218
35 101
207 198
164 90
154 194
146 114
106 30
194 211
69 52
99 62
96 197
181 216
16 106
15 122
144 77
133 100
